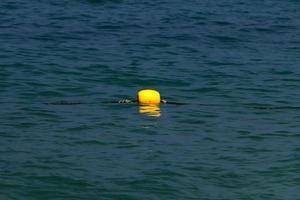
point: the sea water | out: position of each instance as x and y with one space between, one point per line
235 65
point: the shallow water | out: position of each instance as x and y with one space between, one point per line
235 64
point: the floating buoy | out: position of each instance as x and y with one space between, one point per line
148 97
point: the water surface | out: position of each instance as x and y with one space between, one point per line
235 64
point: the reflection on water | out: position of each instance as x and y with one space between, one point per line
150 110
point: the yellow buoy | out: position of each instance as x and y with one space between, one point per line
148 97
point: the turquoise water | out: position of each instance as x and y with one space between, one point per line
235 64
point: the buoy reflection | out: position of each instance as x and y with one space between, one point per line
150 110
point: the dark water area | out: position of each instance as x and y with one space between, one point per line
234 63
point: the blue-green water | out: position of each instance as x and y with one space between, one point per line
235 63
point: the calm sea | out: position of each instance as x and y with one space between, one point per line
236 65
